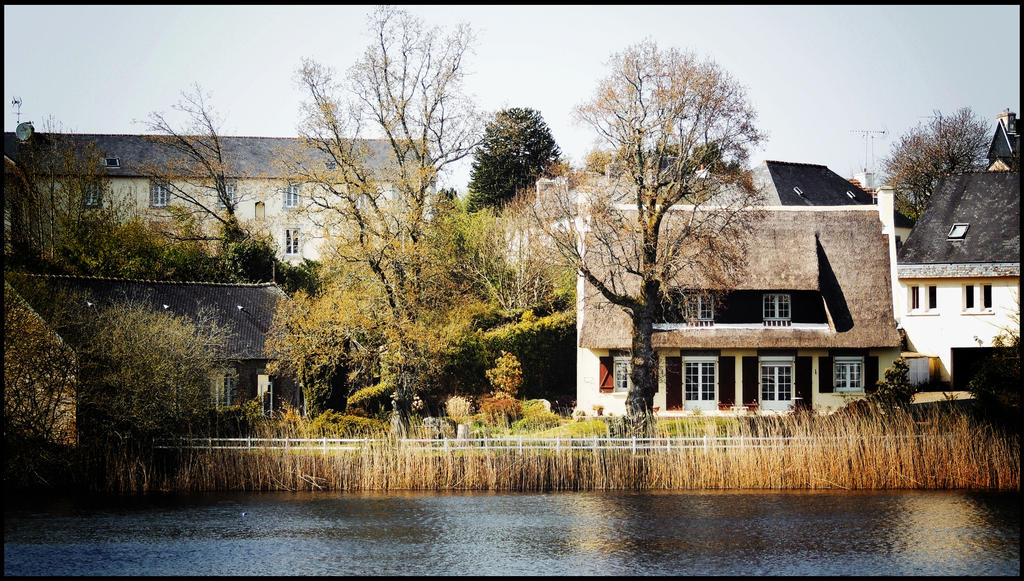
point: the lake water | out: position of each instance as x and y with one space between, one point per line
575 533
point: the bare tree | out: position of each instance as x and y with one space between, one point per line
399 121
676 218
196 171
930 151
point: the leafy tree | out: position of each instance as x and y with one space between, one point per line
931 151
380 197
517 148
52 197
679 216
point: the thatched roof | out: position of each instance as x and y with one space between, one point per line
840 252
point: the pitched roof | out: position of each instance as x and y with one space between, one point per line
840 252
244 156
988 202
806 184
247 326
1006 138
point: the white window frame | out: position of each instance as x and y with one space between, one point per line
159 195
958 231
772 399
700 379
986 301
292 196
622 371
224 389
92 197
231 189
773 306
292 241
703 309
848 374
931 307
915 298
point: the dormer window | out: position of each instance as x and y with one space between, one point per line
776 309
957 232
112 162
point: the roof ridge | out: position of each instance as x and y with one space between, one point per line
152 281
795 163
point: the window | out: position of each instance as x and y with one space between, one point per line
969 297
159 195
91 196
230 191
112 162
776 383
933 298
700 310
915 298
291 196
623 368
957 232
849 374
986 296
700 380
776 307
798 191
292 241
224 389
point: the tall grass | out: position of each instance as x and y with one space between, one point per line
867 450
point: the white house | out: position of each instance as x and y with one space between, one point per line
810 325
959 272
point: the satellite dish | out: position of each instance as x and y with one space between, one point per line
24 130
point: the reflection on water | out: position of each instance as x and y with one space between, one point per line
586 533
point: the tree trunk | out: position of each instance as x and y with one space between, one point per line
640 401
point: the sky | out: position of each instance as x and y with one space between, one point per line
824 81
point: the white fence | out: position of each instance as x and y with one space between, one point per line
506 443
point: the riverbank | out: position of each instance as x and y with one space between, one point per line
931 448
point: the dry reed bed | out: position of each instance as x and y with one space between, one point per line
890 451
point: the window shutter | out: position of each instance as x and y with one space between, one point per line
606 376
750 380
826 381
727 380
870 374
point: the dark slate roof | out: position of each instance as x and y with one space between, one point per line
1005 143
245 156
819 185
988 201
247 327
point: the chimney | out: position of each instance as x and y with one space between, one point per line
1009 121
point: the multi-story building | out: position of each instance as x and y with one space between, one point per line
144 174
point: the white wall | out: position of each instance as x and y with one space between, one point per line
936 332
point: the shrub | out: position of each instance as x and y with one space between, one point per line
537 416
332 424
459 409
501 409
507 374
895 390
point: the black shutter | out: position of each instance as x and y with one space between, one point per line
803 381
826 381
727 381
750 380
870 374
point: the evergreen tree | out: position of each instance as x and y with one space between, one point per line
517 149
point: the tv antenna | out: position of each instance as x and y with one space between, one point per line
868 133
16 103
